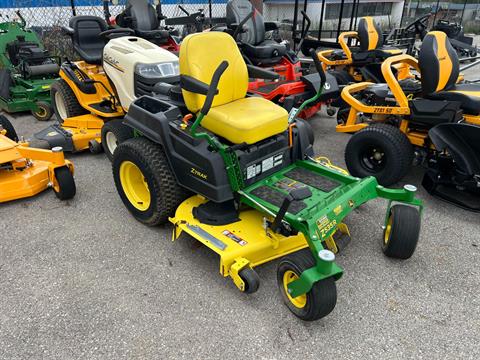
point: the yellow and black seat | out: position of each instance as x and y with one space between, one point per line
232 116
371 39
439 67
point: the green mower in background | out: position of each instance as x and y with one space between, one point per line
27 71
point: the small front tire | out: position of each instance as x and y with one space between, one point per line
251 280
114 132
66 183
402 231
322 297
44 111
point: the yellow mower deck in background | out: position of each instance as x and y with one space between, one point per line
26 171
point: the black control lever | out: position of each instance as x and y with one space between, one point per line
294 195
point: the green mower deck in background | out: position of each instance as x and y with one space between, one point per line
26 71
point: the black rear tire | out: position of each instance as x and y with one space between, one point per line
379 150
401 234
44 111
251 279
7 125
71 106
322 297
114 132
66 183
165 195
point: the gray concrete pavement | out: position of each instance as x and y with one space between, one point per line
83 280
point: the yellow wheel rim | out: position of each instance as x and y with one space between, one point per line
41 112
299 301
134 185
388 230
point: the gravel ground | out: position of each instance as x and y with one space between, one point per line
83 280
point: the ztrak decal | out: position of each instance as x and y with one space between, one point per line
198 173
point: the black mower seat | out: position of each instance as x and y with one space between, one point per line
256 48
86 37
439 68
267 52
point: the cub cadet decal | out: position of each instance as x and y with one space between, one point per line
112 62
198 173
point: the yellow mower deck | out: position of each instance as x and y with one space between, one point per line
84 128
241 244
31 170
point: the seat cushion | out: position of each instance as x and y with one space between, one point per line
467 94
267 52
247 120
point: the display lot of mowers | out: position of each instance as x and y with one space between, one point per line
202 218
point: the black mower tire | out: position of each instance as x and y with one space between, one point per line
70 101
119 133
394 150
164 191
7 125
251 279
66 183
44 112
322 297
401 234
5 83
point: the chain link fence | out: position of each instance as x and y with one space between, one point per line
46 17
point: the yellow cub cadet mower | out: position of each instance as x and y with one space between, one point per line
25 171
436 125
361 62
94 93
238 174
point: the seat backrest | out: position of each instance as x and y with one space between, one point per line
86 40
438 62
143 15
200 55
369 33
237 10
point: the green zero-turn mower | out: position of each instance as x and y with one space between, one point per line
239 175
26 70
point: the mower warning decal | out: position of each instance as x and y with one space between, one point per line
265 165
234 237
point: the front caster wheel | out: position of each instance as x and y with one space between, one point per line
43 112
251 280
114 132
322 297
95 147
66 184
400 236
